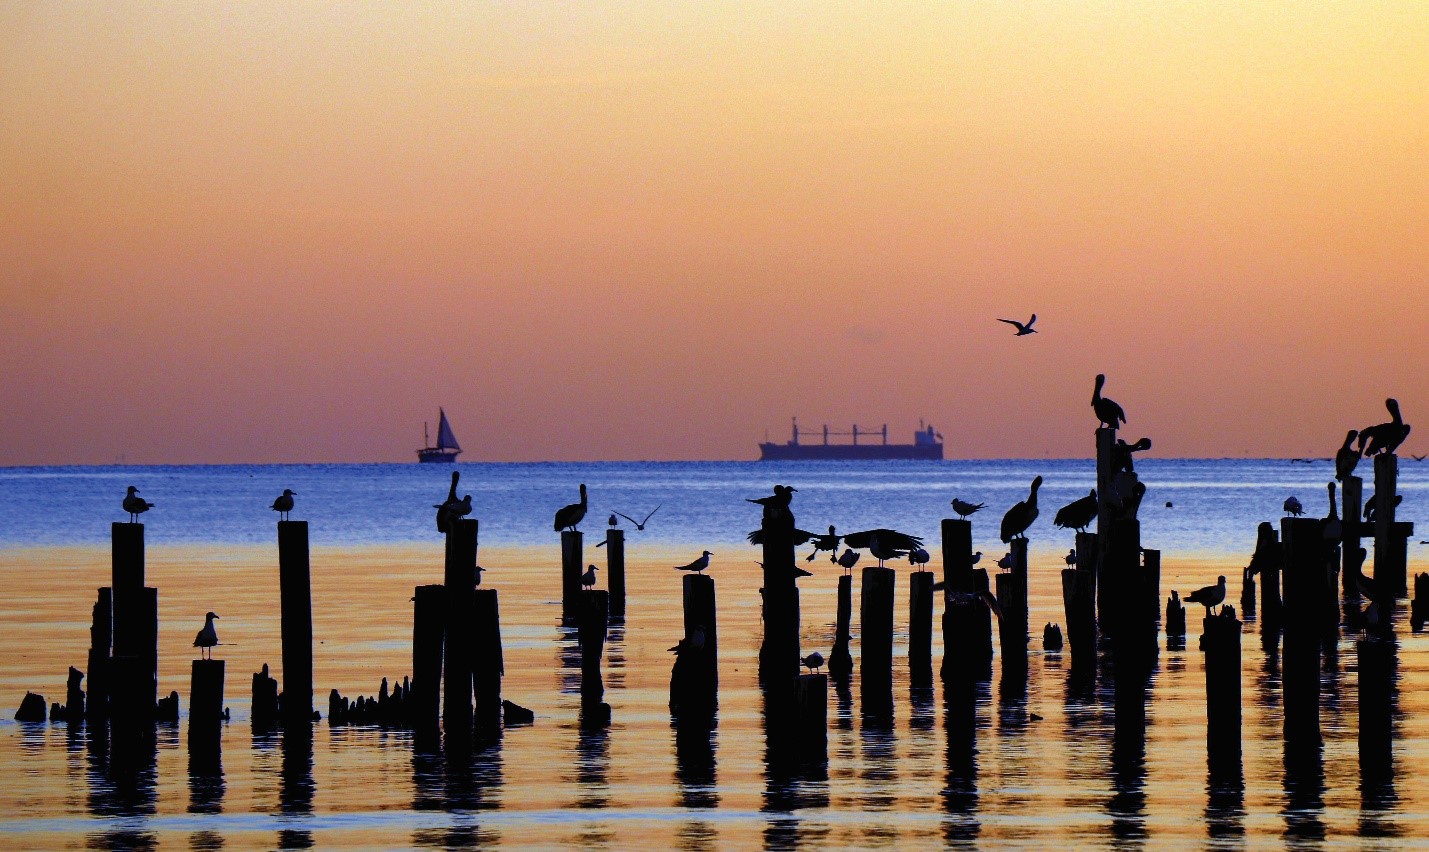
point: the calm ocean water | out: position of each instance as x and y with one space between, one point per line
1041 770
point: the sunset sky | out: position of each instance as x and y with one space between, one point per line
286 232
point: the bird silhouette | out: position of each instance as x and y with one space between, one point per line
1071 557
890 539
479 571
1385 437
1021 327
588 578
568 517
1017 519
443 510
1418 458
135 505
848 559
963 508
1209 596
814 661
452 510
1293 507
207 638
828 542
883 552
919 557
1332 529
1347 457
1107 411
975 559
698 566
639 525
1371 506
284 504
777 504
1077 514
1005 563
612 521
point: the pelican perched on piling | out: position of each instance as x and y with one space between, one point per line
963 508
698 566
1021 516
569 516
1333 528
1078 513
1346 457
284 504
1293 507
1385 437
135 505
588 578
1107 411
207 638
1209 596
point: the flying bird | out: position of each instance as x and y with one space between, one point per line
284 504
639 525
698 566
890 539
1293 507
135 505
207 637
1021 516
828 542
1385 437
883 552
1346 457
1077 514
1209 596
1021 328
588 578
1107 411
963 508
569 516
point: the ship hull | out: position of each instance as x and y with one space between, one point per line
849 452
437 456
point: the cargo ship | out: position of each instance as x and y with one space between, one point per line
927 446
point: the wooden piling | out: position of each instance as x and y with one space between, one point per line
428 633
1389 548
1079 596
920 628
811 701
1352 527
593 620
779 653
957 554
127 556
1151 584
1106 513
572 567
488 664
1377 666
264 703
1175 618
1247 592
615 571
1302 545
1220 641
295 589
1012 601
967 622
875 630
133 670
1267 561
101 636
1418 607
459 585
840 660
205 705
74 697
694 682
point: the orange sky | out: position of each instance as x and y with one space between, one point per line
288 232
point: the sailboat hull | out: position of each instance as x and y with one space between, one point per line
436 456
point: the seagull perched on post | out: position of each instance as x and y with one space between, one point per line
1021 328
776 504
964 508
1293 507
135 505
813 661
588 578
284 504
848 560
1209 596
698 566
569 516
207 637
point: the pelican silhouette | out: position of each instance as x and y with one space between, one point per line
135 505
284 504
1107 411
1021 516
1333 529
569 516
639 525
1021 328
1385 437
1347 457
964 508
1078 513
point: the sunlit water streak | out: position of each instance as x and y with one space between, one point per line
908 781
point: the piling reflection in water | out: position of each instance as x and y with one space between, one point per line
696 775
961 698
296 788
1127 805
121 778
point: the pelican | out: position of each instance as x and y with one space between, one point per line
814 661
918 556
588 578
1021 328
1078 513
1021 516
452 510
639 525
284 504
964 508
1209 596
698 566
1333 529
1346 457
1385 437
1107 411
778 503
1293 507
135 505
848 560
207 637
569 516
828 542
1371 506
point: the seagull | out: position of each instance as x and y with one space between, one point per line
695 641
1293 507
284 504
135 505
1418 458
976 558
588 578
1071 557
1021 328
207 637
639 525
1385 437
1107 411
778 503
1078 513
479 571
1209 596
1005 563
848 560
698 566
569 516
918 556
828 542
814 661
1021 516
964 508
1346 457
452 510
612 521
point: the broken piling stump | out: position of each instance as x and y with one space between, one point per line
295 589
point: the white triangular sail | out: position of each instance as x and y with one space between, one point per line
446 440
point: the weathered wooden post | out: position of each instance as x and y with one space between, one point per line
572 560
1079 597
1266 561
1418 608
295 589
264 712
459 586
1247 593
967 622
488 664
694 682
1150 604
615 571
1390 538
1175 618
428 633
1012 601
593 619
779 654
1106 512
840 660
1377 666
101 636
1302 543
920 628
875 631
1220 642
1351 529
133 670
811 702
205 705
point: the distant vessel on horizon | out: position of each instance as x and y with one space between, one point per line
927 446
447 447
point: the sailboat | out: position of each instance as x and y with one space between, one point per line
446 449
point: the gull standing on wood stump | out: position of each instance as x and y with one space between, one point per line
284 504
588 578
1021 328
1209 596
1347 457
135 505
569 516
1293 507
963 508
814 661
207 637
698 566
848 560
